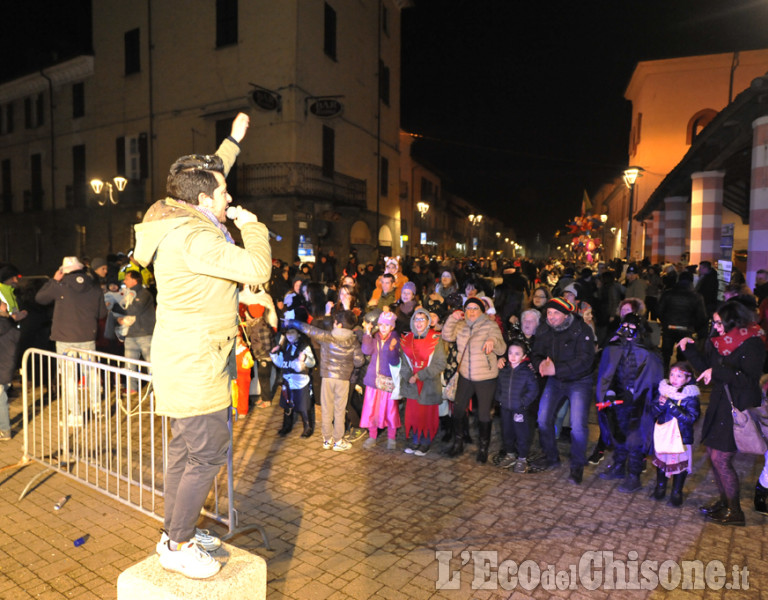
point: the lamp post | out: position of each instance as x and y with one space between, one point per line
423 209
98 185
603 219
475 221
630 177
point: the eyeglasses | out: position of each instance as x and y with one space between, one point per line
420 319
714 322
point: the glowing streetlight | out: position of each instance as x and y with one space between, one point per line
109 200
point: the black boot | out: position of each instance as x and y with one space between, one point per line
714 506
761 496
731 514
676 496
309 426
484 441
661 485
308 429
446 424
287 424
457 447
465 429
614 471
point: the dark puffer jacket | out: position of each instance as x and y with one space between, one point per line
340 351
682 404
571 347
517 388
79 306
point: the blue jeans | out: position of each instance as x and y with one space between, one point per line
72 374
555 393
5 415
136 348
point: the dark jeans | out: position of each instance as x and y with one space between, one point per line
196 452
516 431
555 393
483 390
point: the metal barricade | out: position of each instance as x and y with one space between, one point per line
91 416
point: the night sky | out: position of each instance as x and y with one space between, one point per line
520 102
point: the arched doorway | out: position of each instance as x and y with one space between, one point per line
385 240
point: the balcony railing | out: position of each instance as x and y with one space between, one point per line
300 179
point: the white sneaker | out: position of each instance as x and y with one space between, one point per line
203 538
327 444
191 561
341 446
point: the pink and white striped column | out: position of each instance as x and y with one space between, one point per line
706 215
757 245
675 226
657 241
648 233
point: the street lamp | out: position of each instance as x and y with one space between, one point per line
98 185
630 177
475 220
423 208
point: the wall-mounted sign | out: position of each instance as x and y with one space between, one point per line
265 100
326 108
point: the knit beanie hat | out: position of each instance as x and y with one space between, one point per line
387 318
561 304
409 285
476 301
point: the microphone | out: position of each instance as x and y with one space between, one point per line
232 215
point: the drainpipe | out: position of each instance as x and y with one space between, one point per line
151 142
53 142
378 129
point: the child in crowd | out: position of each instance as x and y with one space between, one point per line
379 408
516 391
339 355
294 357
678 399
423 361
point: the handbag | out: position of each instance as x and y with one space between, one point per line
746 429
667 438
383 382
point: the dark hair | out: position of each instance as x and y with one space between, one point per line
188 185
315 298
683 366
390 276
346 318
734 314
135 275
521 343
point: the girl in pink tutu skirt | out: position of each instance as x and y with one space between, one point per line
379 408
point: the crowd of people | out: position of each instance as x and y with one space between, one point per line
451 342
432 348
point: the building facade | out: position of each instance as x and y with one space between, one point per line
684 198
320 80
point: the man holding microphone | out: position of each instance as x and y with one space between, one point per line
197 268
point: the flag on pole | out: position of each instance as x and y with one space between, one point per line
586 205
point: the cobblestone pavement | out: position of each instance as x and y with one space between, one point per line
368 524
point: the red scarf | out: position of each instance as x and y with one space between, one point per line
728 342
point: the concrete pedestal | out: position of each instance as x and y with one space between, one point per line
242 575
